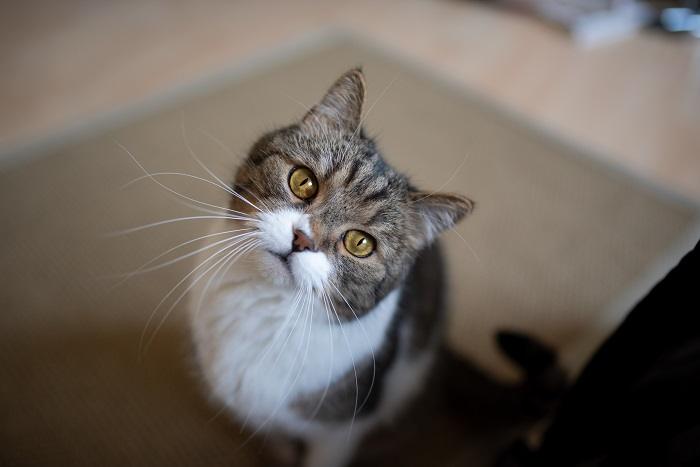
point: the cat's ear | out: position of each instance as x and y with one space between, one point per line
341 107
439 211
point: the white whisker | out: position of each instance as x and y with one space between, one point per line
177 219
150 318
192 284
167 188
306 338
228 150
203 166
330 366
354 366
364 331
454 174
190 254
473 252
141 268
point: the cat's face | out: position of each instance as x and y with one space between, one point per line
335 215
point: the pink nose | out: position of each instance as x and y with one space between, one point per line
301 241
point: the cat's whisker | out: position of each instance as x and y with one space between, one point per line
172 290
369 110
177 219
167 188
265 206
364 331
212 174
221 209
466 243
324 296
228 263
174 174
215 212
306 337
447 182
376 101
188 255
354 366
228 150
296 101
194 282
218 141
142 269
294 314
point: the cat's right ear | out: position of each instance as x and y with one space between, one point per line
439 211
341 107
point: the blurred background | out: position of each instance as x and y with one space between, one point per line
574 124
601 73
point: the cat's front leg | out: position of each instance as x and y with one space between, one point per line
335 448
283 451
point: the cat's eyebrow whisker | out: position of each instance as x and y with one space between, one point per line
177 219
447 182
369 110
203 166
239 247
466 243
202 264
220 143
142 269
371 107
296 101
364 331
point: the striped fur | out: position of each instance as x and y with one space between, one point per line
401 279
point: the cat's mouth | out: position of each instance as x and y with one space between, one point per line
284 259
306 268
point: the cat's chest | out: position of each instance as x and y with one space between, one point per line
261 347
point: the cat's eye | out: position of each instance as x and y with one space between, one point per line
359 243
303 183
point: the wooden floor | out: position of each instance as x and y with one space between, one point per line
636 103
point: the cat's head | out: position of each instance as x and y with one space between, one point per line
335 215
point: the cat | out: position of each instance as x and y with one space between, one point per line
327 316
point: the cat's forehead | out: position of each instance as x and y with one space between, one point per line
356 183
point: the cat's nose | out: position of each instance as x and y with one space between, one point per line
302 242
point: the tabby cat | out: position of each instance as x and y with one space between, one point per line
324 315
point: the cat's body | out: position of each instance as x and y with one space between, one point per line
330 321
301 380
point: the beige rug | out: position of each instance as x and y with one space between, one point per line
560 245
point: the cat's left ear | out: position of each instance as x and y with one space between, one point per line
341 107
439 211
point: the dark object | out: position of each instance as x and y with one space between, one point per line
637 402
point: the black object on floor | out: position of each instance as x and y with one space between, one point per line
637 402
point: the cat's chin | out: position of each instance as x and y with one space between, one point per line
306 269
275 269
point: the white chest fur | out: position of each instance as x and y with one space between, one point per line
261 345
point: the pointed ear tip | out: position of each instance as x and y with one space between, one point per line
356 74
469 204
464 204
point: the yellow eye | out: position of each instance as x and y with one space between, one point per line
303 183
358 243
